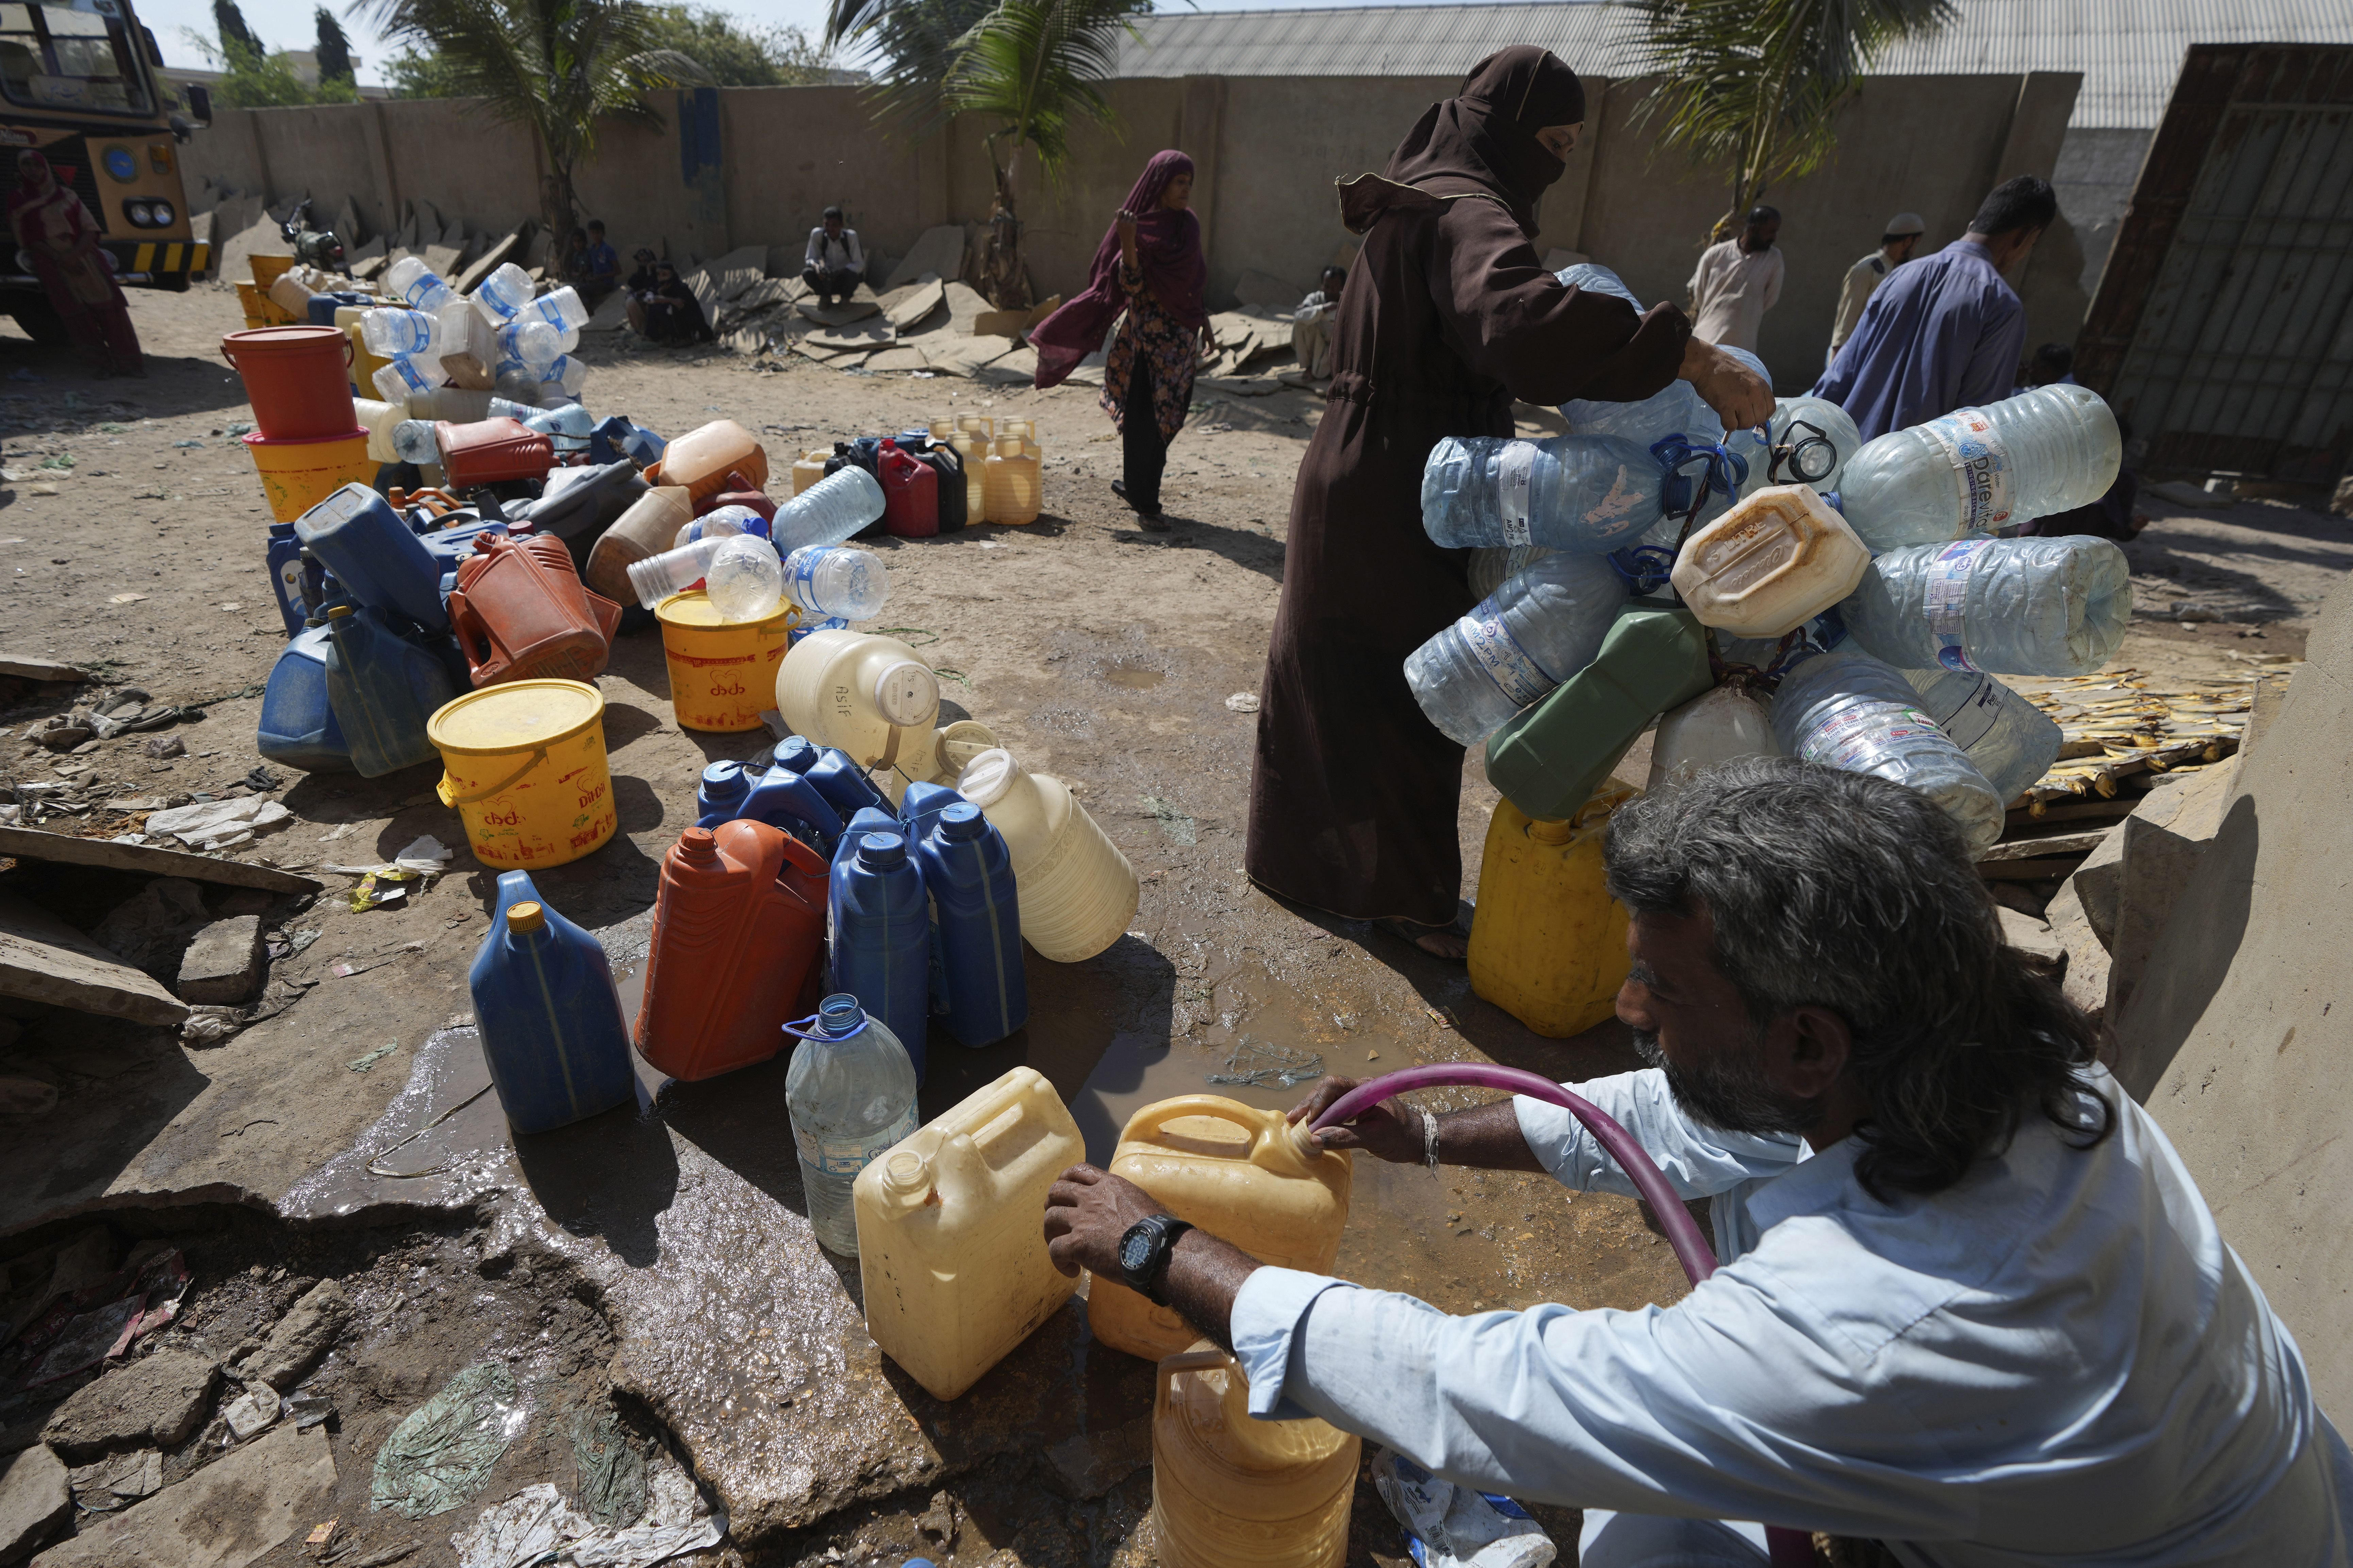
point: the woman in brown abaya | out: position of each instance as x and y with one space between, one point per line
1446 317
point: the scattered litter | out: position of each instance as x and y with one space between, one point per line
309 1410
117 1481
1243 702
125 599
384 885
320 1534
538 1526
1454 1527
526 1528
259 777
1439 1017
362 1064
612 1472
441 1453
1263 1064
98 1322
427 854
255 1412
1174 825
215 823
210 1023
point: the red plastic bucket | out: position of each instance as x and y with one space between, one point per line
296 379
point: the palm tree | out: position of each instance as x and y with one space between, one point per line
561 68
1034 67
1755 84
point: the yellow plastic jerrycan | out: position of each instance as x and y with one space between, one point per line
1241 1173
1547 942
868 695
951 1242
809 467
1231 1493
1011 484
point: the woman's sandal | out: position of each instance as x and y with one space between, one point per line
1415 932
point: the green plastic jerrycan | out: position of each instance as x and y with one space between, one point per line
1548 760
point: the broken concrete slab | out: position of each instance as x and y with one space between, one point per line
965 306
115 1482
857 308
965 357
225 963
2031 935
303 1336
35 1498
611 314
2086 980
27 666
42 959
32 844
916 304
938 250
1020 365
234 1509
737 272
902 358
2163 840
2099 883
862 339
155 1401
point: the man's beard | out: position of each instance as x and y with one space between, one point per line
1729 1092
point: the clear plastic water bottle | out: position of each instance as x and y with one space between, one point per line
1587 493
1978 470
413 442
851 1095
506 291
722 522
390 331
1531 634
566 376
830 581
535 343
1595 278
417 285
745 581
657 577
1819 436
570 427
562 309
1846 709
504 407
404 374
2008 739
844 503
2014 607
1489 567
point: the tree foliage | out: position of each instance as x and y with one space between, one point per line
334 52
1751 87
738 56
229 22
253 78
563 69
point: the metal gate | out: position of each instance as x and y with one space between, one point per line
2223 333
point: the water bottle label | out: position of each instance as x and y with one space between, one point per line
1499 653
1981 475
1948 593
848 1156
1847 741
1974 720
1515 473
800 577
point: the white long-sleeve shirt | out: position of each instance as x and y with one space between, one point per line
1731 289
832 253
2055 1363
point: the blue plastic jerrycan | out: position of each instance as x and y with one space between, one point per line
449 546
882 937
285 558
383 688
719 794
787 800
798 753
361 540
921 806
868 820
840 780
968 872
550 1017
298 723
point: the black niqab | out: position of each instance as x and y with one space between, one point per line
1483 139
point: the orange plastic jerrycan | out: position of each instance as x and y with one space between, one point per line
738 921
1229 1492
1242 1173
521 613
703 458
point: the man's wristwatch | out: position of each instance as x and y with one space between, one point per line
1143 1254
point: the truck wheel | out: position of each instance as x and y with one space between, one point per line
38 318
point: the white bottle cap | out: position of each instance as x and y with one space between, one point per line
987 777
907 693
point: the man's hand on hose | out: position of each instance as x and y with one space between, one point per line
1390 1130
1740 396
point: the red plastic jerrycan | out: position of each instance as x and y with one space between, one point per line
738 922
911 493
491 451
740 491
521 613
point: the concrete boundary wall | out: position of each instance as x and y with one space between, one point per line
738 166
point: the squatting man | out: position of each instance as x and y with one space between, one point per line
1972 1304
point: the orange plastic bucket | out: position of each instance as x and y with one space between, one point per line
296 378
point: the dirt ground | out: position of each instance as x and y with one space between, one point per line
132 534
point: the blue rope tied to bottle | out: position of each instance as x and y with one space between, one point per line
1682 494
1645 567
841 1011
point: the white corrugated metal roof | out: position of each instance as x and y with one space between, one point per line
2129 50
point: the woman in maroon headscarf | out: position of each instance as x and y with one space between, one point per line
54 229
1446 317
1149 266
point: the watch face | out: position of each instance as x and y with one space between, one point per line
1136 1249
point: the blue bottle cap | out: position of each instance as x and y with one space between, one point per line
961 821
796 752
881 851
722 774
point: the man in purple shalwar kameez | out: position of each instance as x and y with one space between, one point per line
1945 332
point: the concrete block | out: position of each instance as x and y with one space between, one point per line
303 1336
156 1400
2161 844
35 1499
225 963
2099 883
234 1509
2086 981
2031 935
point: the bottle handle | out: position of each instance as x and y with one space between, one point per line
1185 1361
1269 1148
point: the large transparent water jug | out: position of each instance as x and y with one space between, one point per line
1723 724
2008 739
1077 890
562 309
1531 634
389 330
851 1095
1811 439
403 376
1587 493
416 285
1011 488
2013 606
1979 470
1230 1491
505 291
863 694
1846 709
1489 568
1246 1176
843 503
950 1251
830 580
1777 559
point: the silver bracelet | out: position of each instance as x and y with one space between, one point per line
1429 1141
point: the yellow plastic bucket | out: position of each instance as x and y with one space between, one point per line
525 766
261 310
721 673
297 475
269 270
364 364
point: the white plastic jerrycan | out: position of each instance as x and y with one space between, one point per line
1077 890
868 695
951 1237
1720 724
1775 560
